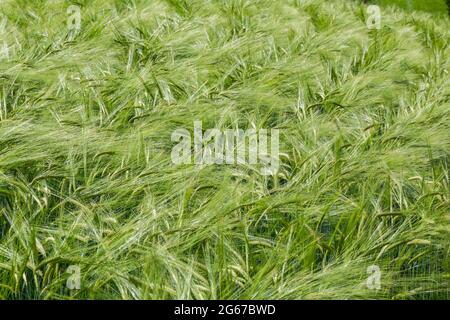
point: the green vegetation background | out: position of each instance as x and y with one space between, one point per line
435 6
86 177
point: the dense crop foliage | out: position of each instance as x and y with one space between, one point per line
86 177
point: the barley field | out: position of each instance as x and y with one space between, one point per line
93 206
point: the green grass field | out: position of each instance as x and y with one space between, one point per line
88 190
